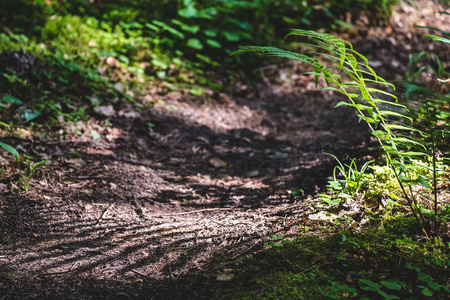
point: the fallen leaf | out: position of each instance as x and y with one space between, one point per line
277 155
112 62
129 114
3 188
283 192
217 162
77 162
224 277
252 173
107 111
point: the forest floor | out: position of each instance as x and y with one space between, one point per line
161 201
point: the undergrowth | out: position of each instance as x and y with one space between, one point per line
402 249
86 47
410 150
347 265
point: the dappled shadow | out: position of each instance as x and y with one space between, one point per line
162 202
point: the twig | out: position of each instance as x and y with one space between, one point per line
193 211
104 213
438 79
66 141
246 250
139 273
54 273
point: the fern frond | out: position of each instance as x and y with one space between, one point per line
273 51
391 113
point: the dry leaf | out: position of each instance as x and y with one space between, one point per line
77 162
107 111
3 188
224 277
252 173
217 162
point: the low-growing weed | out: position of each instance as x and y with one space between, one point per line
428 287
414 70
347 187
277 241
26 167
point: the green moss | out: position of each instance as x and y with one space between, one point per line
340 266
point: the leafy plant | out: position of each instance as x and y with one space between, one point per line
414 71
386 118
29 171
349 186
369 285
430 286
435 37
277 241
11 150
25 165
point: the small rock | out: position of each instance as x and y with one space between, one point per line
112 186
107 111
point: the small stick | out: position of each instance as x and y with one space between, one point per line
194 211
139 273
104 213
259 240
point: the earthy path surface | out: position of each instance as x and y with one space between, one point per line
155 202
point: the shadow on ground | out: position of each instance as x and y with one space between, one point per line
157 212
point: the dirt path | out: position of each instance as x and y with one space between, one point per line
207 182
154 203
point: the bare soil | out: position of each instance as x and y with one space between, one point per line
158 201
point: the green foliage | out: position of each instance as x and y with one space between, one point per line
10 150
346 266
435 37
23 16
38 83
414 71
431 286
29 170
349 186
278 242
381 181
211 28
84 46
25 165
402 144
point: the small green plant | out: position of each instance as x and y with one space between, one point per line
25 165
390 284
29 170
388 289
414 71
428 287
11 150
347 187
277 242
437 72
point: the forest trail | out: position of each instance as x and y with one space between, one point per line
160 202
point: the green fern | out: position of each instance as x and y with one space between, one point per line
387 119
